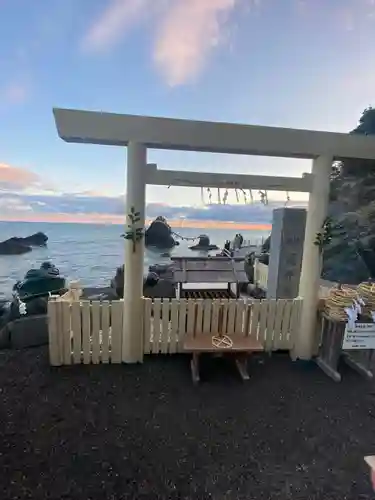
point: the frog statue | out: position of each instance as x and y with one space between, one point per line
30 296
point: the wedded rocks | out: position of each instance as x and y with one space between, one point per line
159 234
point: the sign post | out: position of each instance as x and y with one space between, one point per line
354 343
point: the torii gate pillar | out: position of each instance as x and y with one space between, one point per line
132 338
311 260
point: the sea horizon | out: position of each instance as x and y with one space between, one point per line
99 219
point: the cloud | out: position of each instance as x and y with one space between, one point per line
9 205
16 178
14 93
112 25
186 31
186 36
78 208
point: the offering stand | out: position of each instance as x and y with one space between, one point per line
347 331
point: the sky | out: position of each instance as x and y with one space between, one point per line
291 63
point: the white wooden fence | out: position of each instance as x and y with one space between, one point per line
273 322
260 274
91 332
84 332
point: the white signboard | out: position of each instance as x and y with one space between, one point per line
359 336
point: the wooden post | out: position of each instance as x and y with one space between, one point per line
311 262
132 345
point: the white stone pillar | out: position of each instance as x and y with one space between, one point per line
311 271
132 342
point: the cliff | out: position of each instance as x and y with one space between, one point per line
352 209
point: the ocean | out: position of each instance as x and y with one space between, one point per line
89 252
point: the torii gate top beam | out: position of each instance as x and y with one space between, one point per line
166 133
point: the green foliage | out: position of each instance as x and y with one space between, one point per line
355 168
335 180
324 237
134 233
366 124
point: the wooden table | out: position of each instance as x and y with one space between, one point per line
202 343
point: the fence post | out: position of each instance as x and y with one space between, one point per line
55 354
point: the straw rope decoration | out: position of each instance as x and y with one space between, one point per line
366 291
338 299
222 342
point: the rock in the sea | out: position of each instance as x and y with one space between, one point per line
35 240
204 244
18 246
159 234
13 247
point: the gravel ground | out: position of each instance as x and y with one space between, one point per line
145 432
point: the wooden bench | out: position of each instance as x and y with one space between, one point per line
238 346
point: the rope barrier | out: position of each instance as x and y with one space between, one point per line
186 238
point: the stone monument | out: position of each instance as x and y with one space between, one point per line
287 238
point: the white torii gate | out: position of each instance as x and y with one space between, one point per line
138 133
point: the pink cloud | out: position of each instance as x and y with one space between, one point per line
14 93
113 23
186 31
186 36
16 177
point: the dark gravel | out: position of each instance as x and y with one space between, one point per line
145 432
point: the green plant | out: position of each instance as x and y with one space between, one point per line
324 237
134 233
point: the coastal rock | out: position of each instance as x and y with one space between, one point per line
13 247
204 244
40 283
164 271
164 289
255 291
117 283
153 285
151 280
19 246
35 240
249 266
159 234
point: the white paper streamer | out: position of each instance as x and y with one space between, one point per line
352 313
